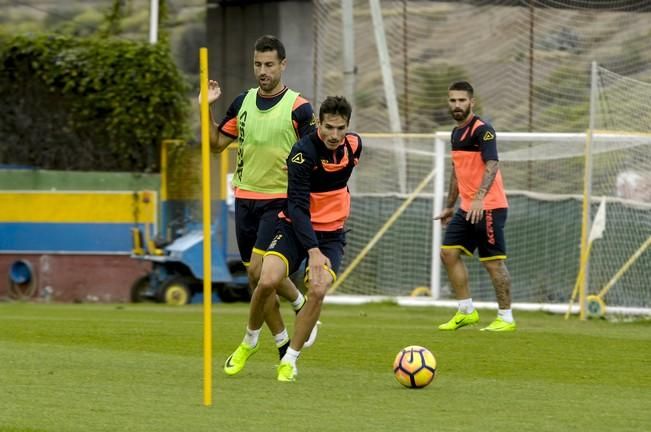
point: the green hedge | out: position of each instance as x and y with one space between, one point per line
88 104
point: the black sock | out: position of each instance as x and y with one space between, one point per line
282 350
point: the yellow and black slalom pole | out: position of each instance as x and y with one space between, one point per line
207 257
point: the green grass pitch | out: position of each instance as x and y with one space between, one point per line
140 368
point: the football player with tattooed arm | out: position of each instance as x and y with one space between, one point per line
266 122
479 221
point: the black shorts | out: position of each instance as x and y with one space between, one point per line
487 235
255 224
286 245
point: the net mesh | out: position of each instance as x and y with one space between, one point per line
621 171
529 61
544 174
530 64
401 260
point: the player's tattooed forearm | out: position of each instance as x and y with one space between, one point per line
489 177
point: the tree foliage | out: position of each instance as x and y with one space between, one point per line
88 104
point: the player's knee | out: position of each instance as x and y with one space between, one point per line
267 284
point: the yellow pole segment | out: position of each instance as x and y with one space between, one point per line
412 196
207 257
163 170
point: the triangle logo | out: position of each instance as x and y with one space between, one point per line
298 158
488 136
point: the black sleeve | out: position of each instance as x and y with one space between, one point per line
231 113
487 142
305 120
299 171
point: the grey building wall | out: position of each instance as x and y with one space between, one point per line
233 27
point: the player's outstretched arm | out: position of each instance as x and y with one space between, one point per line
218 141
214 92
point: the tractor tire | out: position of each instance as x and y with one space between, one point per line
176 291
243 292
140 289
235 292
227 293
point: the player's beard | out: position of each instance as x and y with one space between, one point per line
459 114
269 84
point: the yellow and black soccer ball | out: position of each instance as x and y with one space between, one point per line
414 366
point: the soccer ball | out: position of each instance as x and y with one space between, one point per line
414 367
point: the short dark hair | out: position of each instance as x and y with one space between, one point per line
462 86
270 43
336 105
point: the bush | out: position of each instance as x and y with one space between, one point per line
88 104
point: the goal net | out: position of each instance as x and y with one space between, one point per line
619 268
544 175
555 183
530 65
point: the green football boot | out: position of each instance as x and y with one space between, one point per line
499 325
287 372
461 320
236 361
